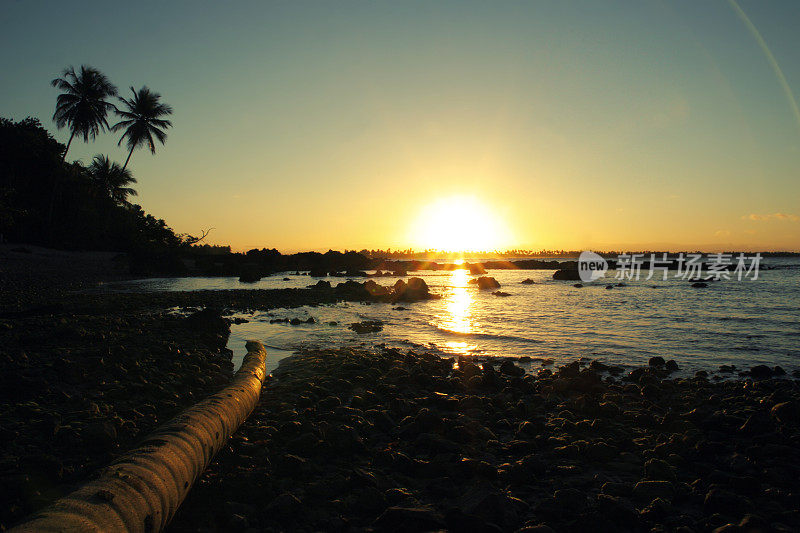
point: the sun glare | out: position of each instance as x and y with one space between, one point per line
459 223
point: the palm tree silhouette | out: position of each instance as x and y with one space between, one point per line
111 179
142 121
82 105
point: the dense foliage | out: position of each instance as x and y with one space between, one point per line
87 212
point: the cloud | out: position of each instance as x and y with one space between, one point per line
774 216
722 233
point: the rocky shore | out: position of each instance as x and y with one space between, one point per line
391 440
76 390
383 439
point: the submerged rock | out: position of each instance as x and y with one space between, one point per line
366 326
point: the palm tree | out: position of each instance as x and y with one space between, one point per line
82 105
111 179
142 121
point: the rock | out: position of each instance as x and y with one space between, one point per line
616 509
616 489
537 528
321 285
366 326
647 491
753 524
727 503
757 423
786 413
250 274
672 366
100 435
500 293
458 520
527 281
283 505
659 470
699 285
352 289
657 361
210 325
578 285
761 372
510 369
476 269
415 290
408 519
486 282
567 275
374 289
572 499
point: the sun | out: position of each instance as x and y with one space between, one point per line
459 224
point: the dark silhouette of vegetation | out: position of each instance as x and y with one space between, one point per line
111 180
83 105
91 208
142 121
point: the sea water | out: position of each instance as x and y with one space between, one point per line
731 322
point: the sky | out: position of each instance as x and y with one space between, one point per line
640 124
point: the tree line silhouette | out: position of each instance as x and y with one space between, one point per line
46 199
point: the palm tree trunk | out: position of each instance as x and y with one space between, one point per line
55 190
129 158
64 157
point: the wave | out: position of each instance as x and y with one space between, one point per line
492 336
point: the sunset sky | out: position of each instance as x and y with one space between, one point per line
316 125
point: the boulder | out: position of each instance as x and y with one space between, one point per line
761 372
374 289
415 290
250 274
476 269
567 275
510 369
527 281
486 282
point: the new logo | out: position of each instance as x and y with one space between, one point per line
591 266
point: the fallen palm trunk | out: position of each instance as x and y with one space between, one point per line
141 491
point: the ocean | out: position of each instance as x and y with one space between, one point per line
730 322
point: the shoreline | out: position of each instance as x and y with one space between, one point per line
399 440
385 438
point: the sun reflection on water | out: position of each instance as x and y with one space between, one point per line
457 316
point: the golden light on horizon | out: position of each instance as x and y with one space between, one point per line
459 223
